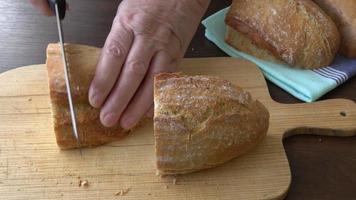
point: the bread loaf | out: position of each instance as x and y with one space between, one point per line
201 122
296 32
343 13
82 62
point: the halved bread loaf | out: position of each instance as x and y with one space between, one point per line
201 122
82 62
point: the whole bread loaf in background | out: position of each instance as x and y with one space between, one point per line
201 122
343 13
82 62
296 32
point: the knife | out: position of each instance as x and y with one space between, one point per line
59 8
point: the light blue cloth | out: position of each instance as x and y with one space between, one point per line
306 85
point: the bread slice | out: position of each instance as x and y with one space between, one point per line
201 122
296 32
82 62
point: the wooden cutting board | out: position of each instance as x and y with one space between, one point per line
32 167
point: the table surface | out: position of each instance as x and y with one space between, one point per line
24 35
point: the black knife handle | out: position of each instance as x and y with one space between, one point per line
61 7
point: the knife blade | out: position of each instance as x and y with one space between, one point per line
59 6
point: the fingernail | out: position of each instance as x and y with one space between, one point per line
109 119
127 122
95 99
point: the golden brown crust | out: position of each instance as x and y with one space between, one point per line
82 62
343 13
297 32
242 43
203 121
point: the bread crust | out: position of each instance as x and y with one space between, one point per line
296 32
343 13
82 62
202 121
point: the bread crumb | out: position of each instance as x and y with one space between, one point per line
166 186
83 183
174 181
149 194
157 173
29 99
122 192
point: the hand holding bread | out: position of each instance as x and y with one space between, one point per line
199 122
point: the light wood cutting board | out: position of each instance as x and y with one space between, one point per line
32 167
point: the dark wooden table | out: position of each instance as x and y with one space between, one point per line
322 167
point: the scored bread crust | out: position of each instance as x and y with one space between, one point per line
82 62
296 32
343 12
202 121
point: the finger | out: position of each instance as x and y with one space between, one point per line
43 6
132 74
112 57
149 113
144 97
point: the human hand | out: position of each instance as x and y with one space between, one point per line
42 6
146 38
